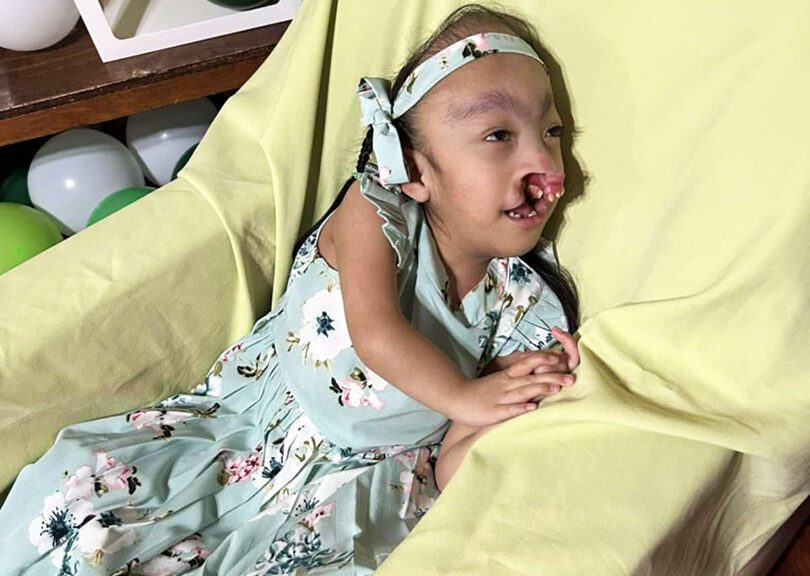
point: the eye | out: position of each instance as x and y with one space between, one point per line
499 136
555 131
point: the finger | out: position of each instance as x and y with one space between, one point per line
507 411
555 364
532 360
569 345
558 378
537 389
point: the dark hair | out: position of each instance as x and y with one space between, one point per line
462 22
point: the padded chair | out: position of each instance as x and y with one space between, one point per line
683 447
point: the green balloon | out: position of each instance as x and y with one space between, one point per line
24 233
117 200
15 187
181 163
244 4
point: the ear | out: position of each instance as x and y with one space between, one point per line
418 189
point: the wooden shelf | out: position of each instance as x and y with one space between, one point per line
67 85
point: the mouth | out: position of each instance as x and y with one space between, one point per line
540 192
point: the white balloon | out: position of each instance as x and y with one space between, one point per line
76 170
35 24
159 137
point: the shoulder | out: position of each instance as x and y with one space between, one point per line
353 205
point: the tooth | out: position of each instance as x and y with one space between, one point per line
535 191
532 213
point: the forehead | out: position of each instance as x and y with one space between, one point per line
509 82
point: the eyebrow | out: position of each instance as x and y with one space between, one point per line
494 100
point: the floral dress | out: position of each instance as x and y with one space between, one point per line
292 456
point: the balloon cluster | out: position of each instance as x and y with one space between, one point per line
83 175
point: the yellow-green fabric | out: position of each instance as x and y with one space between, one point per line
685 442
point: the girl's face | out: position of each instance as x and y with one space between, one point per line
490 168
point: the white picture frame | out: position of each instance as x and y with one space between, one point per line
124 28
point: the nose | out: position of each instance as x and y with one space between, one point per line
543 168
542 154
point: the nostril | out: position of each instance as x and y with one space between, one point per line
550 185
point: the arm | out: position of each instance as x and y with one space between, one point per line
388 345
460 437
456 444
381 336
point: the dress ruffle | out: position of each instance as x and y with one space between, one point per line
400 215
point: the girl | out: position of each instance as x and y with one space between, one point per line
418 301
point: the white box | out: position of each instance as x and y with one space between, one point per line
124 28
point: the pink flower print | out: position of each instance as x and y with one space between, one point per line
226 355
193 545
375 402
177 559
406 458
317 515
351 392
80 485
95 538
117 479
417 466
239 469
385 174
160 421
375 383
145 419
110 473
355 395
113 475
104 462
163 566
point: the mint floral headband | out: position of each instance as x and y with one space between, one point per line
379 112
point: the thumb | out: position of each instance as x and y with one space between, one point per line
569 346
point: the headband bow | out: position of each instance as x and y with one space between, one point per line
379 112
376 109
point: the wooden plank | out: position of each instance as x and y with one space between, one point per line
67 85
103 107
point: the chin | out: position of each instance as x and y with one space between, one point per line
517 249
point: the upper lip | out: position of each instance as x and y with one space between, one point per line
549 184
533 197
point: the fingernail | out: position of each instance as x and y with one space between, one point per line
555 389
531 407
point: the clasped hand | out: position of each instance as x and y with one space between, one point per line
520 381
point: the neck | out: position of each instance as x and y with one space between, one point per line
464 271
